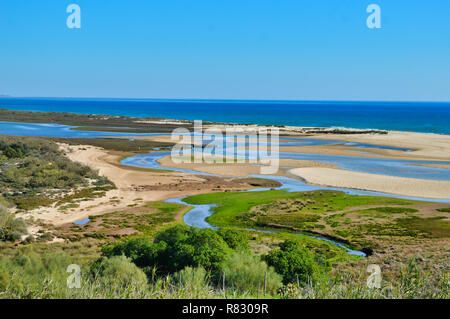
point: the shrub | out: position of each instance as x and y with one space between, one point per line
119 271
11 228
246 273
14 150
174 249
209 249
33 171
193 278
30 273
237 240
141 251
294 262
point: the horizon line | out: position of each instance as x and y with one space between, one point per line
6 96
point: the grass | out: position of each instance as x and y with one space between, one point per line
327 213
38 270
144 220
231 206
436 227
389 210
113 129
115 144
324 249
33 273
105 122
84 194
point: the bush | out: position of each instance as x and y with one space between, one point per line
142 252
174 249
193 278
11 228
14 150
30 273
119 271
294 262
237 240
33 171
246 273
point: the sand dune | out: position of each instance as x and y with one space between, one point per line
426 146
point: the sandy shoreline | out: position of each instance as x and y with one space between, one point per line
424 146
239 169
411 187
133 186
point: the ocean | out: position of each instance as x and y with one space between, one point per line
401 116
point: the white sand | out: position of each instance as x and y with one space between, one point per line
380 183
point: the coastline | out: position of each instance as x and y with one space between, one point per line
410 187
382 115
136 183
132 186
160 124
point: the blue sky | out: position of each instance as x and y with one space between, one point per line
227 49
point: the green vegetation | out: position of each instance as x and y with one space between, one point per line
388 210
235 208
11 228
372 224
436 227
236 240
113 129
246 272
179 247
143 252
33 173
326 213
120 270
142 220
219 253
295 263
13 150
114 144
100 122
37 271
175 249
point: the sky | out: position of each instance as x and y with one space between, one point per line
226 49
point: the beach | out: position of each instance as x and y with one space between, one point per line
385 184
420 146
423 146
